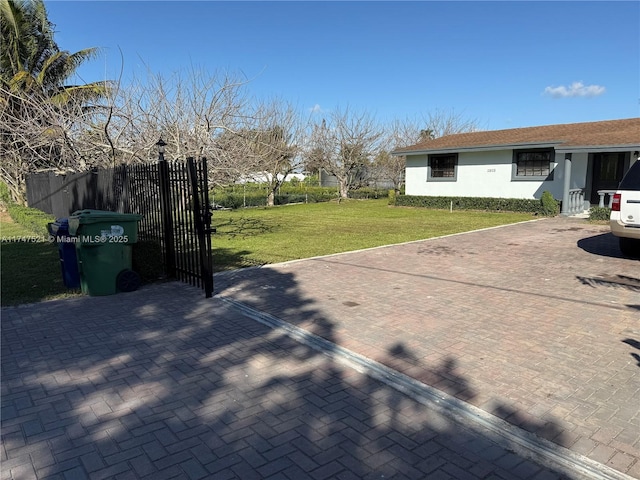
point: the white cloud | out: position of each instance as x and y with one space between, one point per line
315 109
576 89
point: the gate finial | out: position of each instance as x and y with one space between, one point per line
160 144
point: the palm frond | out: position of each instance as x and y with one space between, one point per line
27 36
59 67
12 24
21 81
80 93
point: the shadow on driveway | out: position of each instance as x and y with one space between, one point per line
162 383
605 244
635 344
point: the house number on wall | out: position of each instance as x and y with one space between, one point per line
491 170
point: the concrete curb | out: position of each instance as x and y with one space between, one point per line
227 273
501 432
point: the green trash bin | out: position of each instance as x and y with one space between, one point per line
103 249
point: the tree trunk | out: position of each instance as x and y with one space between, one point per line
274 185
344 189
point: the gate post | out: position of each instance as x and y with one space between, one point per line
200 216
167 216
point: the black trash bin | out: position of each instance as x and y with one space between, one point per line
59 231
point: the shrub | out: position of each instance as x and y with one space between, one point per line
295 182
31 218
548 205
321 194
392 197
312 180
471 203
368 192
5 196
240 200
254 195
291 198
599 213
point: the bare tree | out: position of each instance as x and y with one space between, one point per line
275 142
36 134
233 158
345 146
402 133
399 133
439 123
190 112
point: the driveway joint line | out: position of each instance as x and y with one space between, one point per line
477 285
505 435
379 247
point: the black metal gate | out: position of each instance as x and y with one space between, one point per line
186 219
172 197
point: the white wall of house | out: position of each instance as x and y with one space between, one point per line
415 175
489 174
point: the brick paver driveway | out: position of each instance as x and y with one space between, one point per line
536 323
163 383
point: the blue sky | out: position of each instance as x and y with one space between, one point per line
505 64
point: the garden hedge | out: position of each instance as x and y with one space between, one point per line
479 203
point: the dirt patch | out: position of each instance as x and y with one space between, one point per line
5 217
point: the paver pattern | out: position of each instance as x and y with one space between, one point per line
537 323
163 383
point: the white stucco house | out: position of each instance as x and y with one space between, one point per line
573 161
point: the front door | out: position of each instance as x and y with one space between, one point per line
608 169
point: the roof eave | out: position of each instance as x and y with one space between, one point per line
558 146
476 148
624 147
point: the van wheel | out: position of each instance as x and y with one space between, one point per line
630 247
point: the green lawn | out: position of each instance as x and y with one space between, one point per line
256 236
30 266
260 236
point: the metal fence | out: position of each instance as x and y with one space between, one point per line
172 197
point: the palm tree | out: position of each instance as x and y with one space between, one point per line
31 62
34 93
426 135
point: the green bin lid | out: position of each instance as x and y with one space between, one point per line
95 216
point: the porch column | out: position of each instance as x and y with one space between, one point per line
566 208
